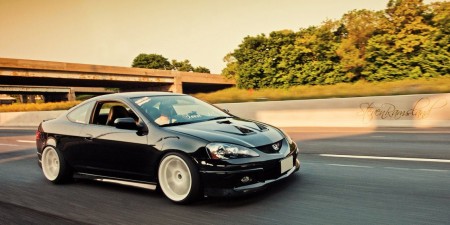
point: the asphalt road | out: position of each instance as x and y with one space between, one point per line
327 190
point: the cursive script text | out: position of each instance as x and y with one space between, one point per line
387 111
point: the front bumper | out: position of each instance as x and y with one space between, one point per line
234 182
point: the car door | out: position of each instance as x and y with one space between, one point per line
68 134
113 152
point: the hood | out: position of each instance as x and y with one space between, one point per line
232 130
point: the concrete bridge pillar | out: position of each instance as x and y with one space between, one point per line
23 98
28 98
71 95
177 86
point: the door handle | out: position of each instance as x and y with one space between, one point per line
88 137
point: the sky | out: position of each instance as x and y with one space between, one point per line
114 32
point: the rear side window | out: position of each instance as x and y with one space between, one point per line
81 114
105 114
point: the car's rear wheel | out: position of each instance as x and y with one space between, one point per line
178 178
54 166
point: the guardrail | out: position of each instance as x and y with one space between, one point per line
422 111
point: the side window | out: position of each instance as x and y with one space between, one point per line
107 112
81 114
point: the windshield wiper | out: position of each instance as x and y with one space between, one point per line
197 121
219 118
177 123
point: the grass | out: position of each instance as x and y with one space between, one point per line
21 107
358 89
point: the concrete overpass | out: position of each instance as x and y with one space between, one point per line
51 94
22 72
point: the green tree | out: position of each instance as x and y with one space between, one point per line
357 28
440 16
317 61
184 65
436 52
279 75
151 61
250 58
201 69
256 63
400 44
407 40
155 61
230 71
286 58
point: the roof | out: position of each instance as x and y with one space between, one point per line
135 94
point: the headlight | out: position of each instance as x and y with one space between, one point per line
229 151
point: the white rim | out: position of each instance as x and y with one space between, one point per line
50 163
175 178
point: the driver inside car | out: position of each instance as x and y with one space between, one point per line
167 114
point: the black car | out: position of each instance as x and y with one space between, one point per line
182 145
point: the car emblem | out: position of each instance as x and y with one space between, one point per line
276 146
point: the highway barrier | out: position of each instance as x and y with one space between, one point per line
421 111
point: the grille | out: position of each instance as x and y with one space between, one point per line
270 147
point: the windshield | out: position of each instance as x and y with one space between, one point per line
177 110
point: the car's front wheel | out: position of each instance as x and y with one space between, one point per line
178 178
54 166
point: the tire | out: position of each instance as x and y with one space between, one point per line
178 178
54 166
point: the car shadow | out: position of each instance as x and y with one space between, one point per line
281 188
118 187
278 189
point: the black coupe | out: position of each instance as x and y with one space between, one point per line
176 142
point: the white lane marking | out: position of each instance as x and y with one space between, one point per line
17 158
408 169
387 158
343 165
434 170
376 167
392 168
300 130
26 141
8 144
396 168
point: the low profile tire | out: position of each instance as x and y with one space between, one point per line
54 166
178 178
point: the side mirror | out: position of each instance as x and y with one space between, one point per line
126 123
